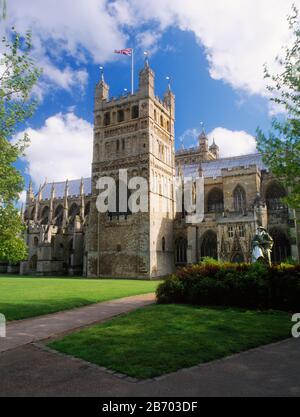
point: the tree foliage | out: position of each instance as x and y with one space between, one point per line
281 147
18 75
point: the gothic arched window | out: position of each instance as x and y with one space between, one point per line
274 195
239 200
107 119
181 251
73 212
215 201
209 247
45 216
59 215
121 116
282 246
135 112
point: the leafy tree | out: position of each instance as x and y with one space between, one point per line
18 75
281 148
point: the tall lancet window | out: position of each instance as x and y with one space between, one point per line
45 216
239 197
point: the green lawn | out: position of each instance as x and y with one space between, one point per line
29 297
164 338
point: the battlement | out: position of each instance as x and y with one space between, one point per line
242 169
118 101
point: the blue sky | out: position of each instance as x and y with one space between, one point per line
214 53
199 98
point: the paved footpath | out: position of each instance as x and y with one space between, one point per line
23 332
27 369
272 371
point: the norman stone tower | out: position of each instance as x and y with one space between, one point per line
134 133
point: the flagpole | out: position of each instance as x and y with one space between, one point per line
132 72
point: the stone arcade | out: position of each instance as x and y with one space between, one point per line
66 234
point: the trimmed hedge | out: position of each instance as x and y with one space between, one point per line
245 286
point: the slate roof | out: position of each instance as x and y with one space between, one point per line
213 169
74 189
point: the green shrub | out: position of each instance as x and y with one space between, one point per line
253 286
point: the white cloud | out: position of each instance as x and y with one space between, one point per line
71 26
66 78
233 143
240 36
189 138
22 199
60 28
148 41
61 149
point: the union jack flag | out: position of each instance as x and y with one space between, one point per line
127 51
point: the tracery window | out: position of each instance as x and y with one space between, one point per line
209 247
215 201
239 197
181 251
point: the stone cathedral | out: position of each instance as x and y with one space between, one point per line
67 235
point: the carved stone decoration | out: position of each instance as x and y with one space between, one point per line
144 109
224 249
237 254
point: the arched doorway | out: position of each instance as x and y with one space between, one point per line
181 251
282 246
209 247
